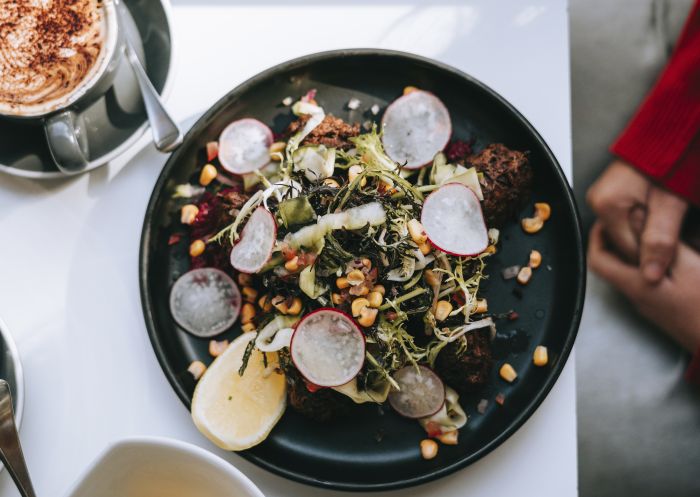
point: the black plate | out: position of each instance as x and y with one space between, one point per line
375 449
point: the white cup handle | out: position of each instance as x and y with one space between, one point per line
67 141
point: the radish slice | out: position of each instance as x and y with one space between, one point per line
415 127
328 348
453 220
205 301
253 250
244 146
422 392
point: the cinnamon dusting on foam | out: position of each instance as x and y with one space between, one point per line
49 49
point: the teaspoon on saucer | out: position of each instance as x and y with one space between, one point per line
166 133
10 449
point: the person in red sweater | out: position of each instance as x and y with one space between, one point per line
643 198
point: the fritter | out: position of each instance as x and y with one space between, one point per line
468 370
506 183
332 132
320 405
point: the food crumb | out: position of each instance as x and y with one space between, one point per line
353 103
174 238
500 399
482 405
379 436
510 272
197 369
287 101
374 109
512 316
367 125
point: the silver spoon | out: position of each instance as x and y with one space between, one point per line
166 133
10 448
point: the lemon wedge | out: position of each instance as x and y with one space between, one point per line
237 412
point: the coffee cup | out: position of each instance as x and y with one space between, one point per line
81 48
150 466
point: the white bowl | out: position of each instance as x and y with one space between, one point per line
151 467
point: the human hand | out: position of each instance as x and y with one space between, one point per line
641 220
671 303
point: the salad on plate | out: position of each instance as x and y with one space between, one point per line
351 255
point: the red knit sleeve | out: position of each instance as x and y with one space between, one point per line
660 138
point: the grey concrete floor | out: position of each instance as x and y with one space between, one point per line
638 422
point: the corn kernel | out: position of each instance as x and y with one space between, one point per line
375 299
355 277
295 308
197 248
280 303
379 289
207 175
337 298
366 262
491 249
197 369
482 306
217 348
264 303
417 232
359 304
532 225
524 275
431 277
247 313
248 327
428 448
188 213
543 210
249 293
535 259
359 290
508 373
409 89
449 438
276 151
244 279
540 357
442 310
331 182
342 283
292 265
367 317
425 248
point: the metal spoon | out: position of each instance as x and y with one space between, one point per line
166 133
10 448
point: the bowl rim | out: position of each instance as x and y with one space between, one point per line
169 444
580 262
18 396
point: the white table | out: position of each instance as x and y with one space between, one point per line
69 250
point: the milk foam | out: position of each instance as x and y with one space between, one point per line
51 51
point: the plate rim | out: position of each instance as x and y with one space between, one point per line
552 375
132 140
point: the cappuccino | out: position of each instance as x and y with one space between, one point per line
50 52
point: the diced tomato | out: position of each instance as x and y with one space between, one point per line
312 387
212 151
433 429
288 252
